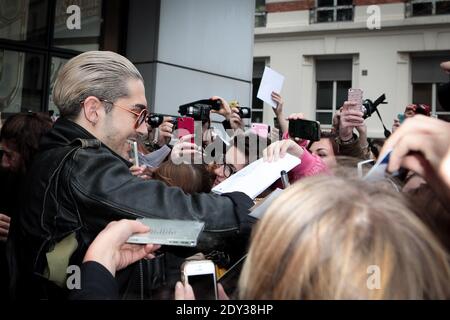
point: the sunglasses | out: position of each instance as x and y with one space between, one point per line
141 116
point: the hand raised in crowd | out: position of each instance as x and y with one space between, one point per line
235 119
349 119
279 149
185 292
224 110
142 172
279 101
422 144
165 131
284 124
4 226
185 151
110 249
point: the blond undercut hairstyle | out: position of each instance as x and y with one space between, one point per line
103 74
325 237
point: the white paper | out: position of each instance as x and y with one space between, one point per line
155 158
271 81
257 176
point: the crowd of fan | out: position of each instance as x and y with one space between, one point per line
70 194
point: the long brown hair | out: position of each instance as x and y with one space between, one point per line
23 132
192 178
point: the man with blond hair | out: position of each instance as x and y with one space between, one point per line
78 182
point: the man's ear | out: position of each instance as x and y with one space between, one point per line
91 109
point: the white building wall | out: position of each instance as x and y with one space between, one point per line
383 53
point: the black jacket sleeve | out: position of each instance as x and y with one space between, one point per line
97 283
107 191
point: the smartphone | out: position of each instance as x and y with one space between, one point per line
355 95
304 129
133 152
261 129
185 126
201 275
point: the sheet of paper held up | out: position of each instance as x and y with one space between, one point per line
257 176
155 158
271 81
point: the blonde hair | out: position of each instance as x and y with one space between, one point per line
322 237
103 74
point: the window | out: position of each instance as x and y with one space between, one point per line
331 11
260 13
333 79
35 42
426 75
257 105
417 8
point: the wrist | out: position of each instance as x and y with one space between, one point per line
102 257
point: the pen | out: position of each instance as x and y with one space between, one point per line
284 179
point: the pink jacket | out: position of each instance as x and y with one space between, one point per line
311 164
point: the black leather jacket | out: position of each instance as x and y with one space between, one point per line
78 185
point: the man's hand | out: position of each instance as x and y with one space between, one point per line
110 250
165 131
349 119
4 226
142 172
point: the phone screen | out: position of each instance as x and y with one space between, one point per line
203 285
304 129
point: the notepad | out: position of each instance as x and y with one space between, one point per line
257 176
169 232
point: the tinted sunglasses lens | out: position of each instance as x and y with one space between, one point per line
142 116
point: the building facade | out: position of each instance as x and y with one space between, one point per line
324 47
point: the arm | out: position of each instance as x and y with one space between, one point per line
284 124
106 189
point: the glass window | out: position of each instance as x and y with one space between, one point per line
422 9
87 37
342 92
57 64
324 95
23 20
260 13
21 81
344 2
324 117
422 93
344 14
325 3
443 7
325 15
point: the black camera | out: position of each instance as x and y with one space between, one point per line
369 107
154 120
200 109
245 113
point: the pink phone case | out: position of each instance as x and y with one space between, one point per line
185 127
356 95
